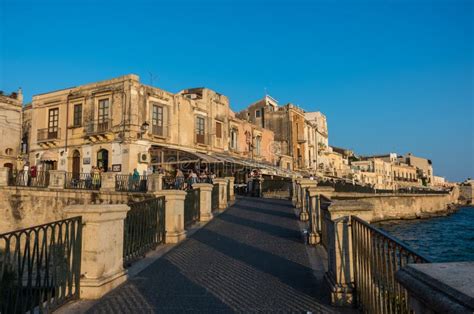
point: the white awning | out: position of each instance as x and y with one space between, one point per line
49 156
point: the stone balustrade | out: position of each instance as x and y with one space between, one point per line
205 199
222 182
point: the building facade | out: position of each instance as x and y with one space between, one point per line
121 124
10 129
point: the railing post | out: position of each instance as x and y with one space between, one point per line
294 194
57 179
102 247
231 188
155 182
107 181
339 276
222 192
314 236
4 174
174 215
305 184
205 200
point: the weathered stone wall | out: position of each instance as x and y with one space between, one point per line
401 206
22 207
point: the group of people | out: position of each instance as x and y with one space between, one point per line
183 182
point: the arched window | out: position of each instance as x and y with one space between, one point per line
9 151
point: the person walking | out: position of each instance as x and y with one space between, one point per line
179 179
26 172
135 179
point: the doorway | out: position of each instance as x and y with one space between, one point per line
103 159
76 163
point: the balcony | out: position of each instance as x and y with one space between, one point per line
48 136
300 138
201 139
159 131
98 129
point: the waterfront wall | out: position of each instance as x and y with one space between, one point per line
22 207
401 206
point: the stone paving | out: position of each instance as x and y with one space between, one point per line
250 258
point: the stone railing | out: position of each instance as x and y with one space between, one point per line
104 219
364 262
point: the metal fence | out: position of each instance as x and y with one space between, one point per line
377 257
130 183
82 181
40 266
191 207
144 228
38 179
215 197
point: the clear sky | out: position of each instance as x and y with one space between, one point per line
391 76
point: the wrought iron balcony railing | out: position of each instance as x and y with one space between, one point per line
48 134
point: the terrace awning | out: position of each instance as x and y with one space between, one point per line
49 156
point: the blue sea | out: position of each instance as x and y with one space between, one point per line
442 239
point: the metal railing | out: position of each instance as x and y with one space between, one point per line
130 183
38 179
144 228
215 197
40 266
98 126
82 181
191 207
47 134
377 257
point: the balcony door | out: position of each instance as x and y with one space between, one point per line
157 120
103 159
200 130
76 164
53 122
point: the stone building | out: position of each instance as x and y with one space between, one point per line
121 124
374 171
300 136
10 129
404 175
321 140
424 167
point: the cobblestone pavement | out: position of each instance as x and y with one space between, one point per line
250 258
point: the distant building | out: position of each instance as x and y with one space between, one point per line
424 167
10 129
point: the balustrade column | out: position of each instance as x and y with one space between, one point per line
57 179
314 236
305 184
102 247
107 181
174 215
231 188
205 199
155 182
222 192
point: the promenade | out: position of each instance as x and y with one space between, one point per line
251 258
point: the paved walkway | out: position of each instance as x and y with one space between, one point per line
251 258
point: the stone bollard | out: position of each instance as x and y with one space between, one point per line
107 181
205 199
222 192
4 174
155 182
102 247
174 215
294 194
231 188
57 179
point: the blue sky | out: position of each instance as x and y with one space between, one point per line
391 76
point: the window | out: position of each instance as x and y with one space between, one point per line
233 139
103 110
200 138
258 142
218 130
53 121
257 113
77 115
157 120
103 121
9 151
